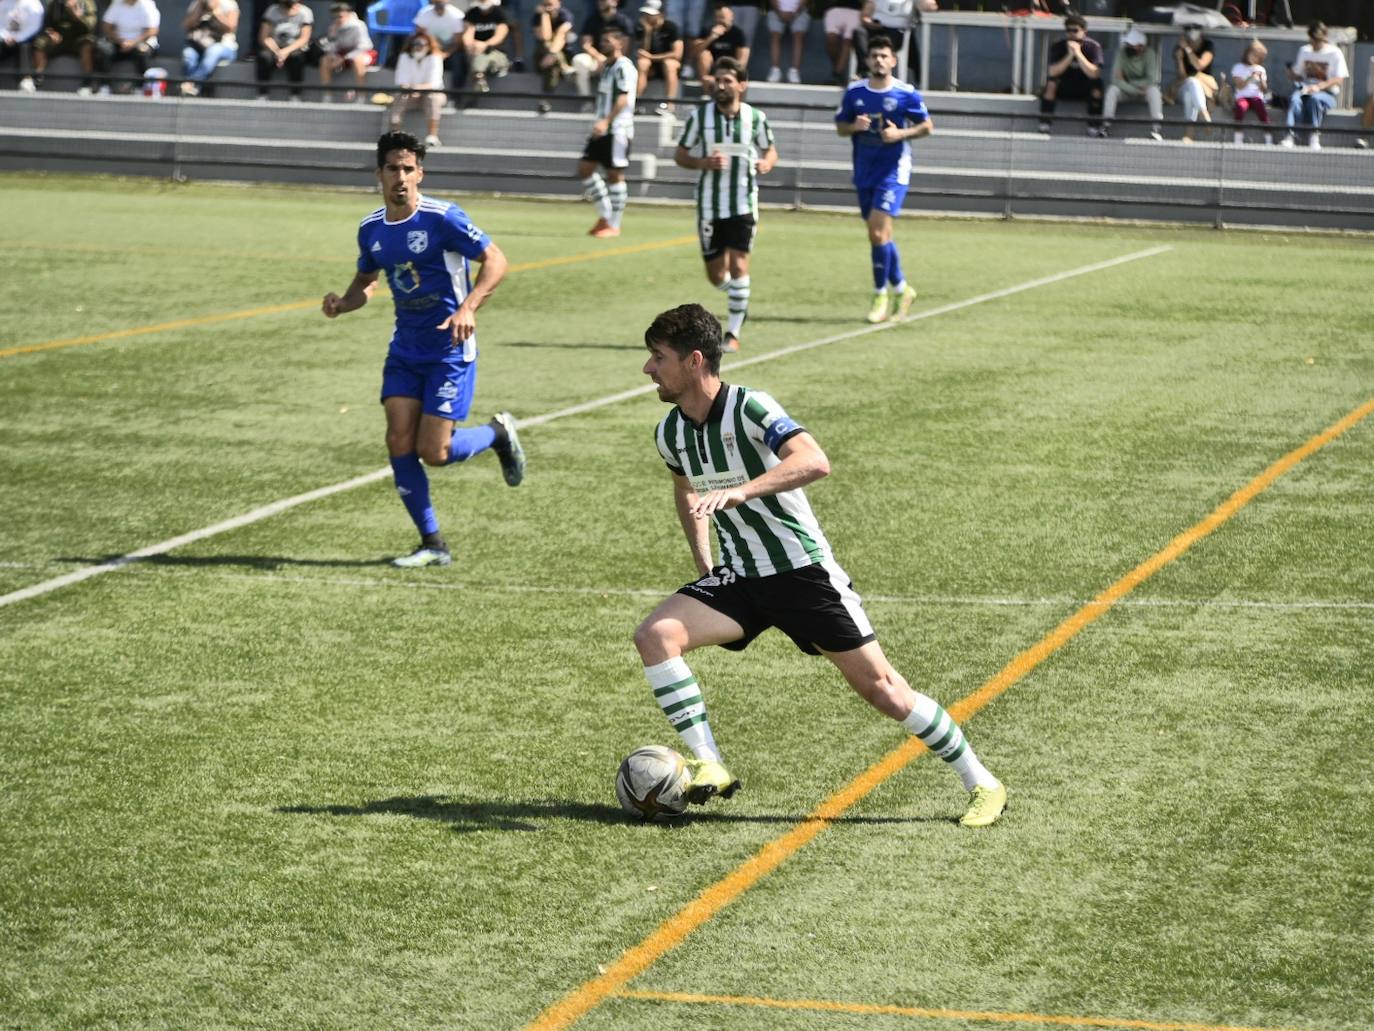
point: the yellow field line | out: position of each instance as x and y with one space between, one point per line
874 1009
209 320
716 897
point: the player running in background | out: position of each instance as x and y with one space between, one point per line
614 128
424 247
731 144
739 462
882 115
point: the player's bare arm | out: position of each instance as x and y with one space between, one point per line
463 322
803 462
694 527
860 124
359 292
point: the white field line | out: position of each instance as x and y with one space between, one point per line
608 591
277 507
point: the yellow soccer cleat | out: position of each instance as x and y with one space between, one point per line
987 806
709 778
904 302
878 313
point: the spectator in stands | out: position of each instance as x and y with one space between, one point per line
1135 77
895 19
841 19
589 60
747 18
690 18
1318 71
347 45
211 28
786 16
69 28
20 22
283 38
1367 116
445 25
130 34
420 81
1075 72
660 51
485 40
1196 87
723 40
514 11
552 27
1250 82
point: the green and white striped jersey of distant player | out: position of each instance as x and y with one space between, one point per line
734 190
618 79
739 441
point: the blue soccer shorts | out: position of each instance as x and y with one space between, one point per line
886 197
445 387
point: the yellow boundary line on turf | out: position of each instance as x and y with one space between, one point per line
927 1013
276 309
715 897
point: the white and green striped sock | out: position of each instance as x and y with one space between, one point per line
679 696
597 193
620 193
938 732
738 293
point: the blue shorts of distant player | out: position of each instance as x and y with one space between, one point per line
444 386
887 197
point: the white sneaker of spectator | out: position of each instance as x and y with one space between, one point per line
1287 141
1314 142
793 76
775 74
26 85
432 141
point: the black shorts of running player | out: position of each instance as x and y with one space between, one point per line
816 606
609 151
717 234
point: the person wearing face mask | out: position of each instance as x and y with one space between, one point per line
1195 87
1075 71
420 81
1135 77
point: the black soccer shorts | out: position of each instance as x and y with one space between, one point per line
736 233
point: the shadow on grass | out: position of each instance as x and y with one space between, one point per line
266 562
466 816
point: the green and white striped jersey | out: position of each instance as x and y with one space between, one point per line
732 191
617 78
738 442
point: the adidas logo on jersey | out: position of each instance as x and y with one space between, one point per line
376 246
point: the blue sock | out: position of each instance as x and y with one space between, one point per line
894 265
413 486
879 265
466 443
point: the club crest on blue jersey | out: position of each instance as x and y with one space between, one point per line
405 278
417 240
889 103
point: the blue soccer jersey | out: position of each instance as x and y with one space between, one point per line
425 259
876 162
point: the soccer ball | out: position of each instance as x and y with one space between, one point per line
652 783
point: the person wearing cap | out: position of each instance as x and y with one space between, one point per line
347 45
1135 77
660 49
1319 70
1075 71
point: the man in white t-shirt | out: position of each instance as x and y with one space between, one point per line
445 24
128 32
20 21
1318 72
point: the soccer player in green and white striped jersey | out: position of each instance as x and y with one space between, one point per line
731 144
739 462
614 128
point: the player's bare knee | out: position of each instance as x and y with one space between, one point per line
432 454
658 639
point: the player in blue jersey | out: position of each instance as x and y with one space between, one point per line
424 247
882 115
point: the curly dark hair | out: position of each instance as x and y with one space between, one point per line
397 140
688 328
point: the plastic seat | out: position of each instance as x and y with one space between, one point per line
388 18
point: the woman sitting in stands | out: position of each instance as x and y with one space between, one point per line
420 80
